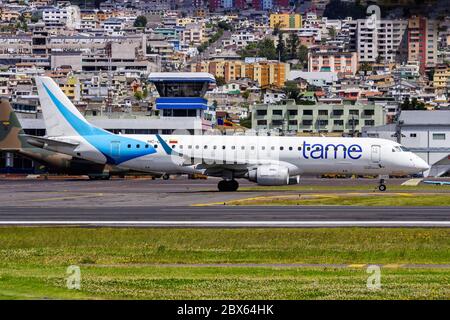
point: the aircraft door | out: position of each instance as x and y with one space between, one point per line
375 154
115 149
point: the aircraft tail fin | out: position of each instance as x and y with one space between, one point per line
10 128
61 117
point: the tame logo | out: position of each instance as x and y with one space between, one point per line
331 151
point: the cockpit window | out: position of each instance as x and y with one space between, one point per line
400 149
404 149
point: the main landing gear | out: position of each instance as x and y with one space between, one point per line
382 186
228 185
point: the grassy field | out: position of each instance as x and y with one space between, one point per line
129 263
349 199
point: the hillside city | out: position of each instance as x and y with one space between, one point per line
302 67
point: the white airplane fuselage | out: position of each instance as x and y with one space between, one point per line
300 155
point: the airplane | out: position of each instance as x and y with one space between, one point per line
13 139
266 160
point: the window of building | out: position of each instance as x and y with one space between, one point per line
338 112
261 112
277 112
369 122
277 122
307 112
353 112
369 112
261 122
293 112
438 136
307 122
323 112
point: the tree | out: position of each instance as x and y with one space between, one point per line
138 95
302 55
140 22
281 48
414 104
291 90
246 94
220 81
263 48
292 46
332 33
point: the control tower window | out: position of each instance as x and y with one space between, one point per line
181 89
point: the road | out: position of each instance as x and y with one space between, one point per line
187 203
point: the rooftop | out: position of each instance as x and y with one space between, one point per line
181 76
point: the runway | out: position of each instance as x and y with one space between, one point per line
175 203
230 216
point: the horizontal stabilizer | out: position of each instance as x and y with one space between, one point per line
45 143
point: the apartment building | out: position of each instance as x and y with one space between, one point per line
345 63
383 40
288 116
69 16
285 21
265 72
193 34
441 78
422 42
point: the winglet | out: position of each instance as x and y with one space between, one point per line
165 146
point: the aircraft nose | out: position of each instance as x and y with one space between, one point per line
421 164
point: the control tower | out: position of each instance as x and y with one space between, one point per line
181 93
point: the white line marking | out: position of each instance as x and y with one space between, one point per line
231 223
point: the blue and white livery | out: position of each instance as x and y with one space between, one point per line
266 160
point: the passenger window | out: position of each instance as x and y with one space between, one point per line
290 148
272 148
189 146
146 146
242 148
129 146
173 146
155 146
205 147
196 147
223 147
281 148
263 148
233 147
252 147
299 148
181 146
214 147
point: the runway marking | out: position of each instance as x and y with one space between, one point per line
301 196
357 265
65 198
175 223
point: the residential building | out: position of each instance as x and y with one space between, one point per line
345 63
265 72
441 78
384 40
422 42
285 21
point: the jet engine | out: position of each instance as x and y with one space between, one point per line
270 175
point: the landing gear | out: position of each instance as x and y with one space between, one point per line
228 185
382 186
166 176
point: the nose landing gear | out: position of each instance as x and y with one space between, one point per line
382 186
228 185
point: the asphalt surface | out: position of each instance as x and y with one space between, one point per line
176 203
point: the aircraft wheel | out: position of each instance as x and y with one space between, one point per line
166 176
382 187
228 185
